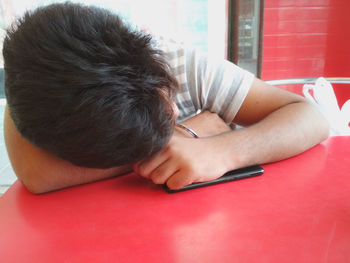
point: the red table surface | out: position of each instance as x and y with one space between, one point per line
297 211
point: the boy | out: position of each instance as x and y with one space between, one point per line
89 98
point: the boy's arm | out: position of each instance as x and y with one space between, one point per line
41 171
279 124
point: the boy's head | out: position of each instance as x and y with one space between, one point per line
83 85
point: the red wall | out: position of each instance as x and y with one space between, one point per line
307 38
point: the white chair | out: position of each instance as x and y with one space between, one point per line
319 91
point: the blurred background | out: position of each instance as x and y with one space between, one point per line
274 39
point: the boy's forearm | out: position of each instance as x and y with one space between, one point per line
41 171
61 176
284 133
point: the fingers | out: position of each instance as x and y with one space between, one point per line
146 168
182 162
158 170
178 180
163 172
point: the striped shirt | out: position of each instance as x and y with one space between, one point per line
206 83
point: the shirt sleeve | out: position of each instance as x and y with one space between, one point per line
216 85
205 83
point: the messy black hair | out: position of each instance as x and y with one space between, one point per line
85 86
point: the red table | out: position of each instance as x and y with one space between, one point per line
298 211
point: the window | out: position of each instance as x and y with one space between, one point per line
245 30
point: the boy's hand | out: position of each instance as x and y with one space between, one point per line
186 160
205 124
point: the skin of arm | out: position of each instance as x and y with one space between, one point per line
41 171
278 125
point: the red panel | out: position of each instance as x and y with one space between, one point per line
293 3
338 42
290 40
343 93
307 38
293 27
292 13
289 52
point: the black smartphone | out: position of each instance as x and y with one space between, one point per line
233 175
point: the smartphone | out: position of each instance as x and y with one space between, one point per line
233 175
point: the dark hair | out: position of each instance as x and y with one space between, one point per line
82 84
